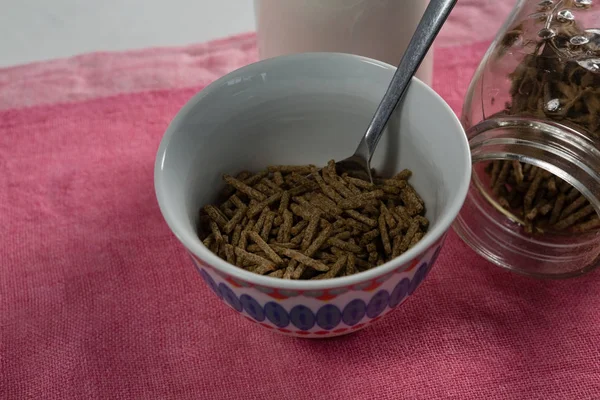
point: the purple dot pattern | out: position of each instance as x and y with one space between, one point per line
327 317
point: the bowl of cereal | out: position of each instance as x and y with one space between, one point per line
245 179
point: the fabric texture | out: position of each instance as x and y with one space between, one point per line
99 301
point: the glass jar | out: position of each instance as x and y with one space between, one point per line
378 29
532 117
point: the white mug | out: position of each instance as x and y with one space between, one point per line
378 29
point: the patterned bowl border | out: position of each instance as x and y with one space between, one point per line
328 319
327 294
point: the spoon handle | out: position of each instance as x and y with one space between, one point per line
434 17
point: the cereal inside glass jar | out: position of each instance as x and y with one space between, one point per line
532 115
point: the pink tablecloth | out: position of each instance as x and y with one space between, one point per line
98 301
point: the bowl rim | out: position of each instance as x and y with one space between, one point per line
195 246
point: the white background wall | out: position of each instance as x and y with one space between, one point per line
34 30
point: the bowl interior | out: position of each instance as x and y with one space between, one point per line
301 109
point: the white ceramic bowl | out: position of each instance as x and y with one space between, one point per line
301 109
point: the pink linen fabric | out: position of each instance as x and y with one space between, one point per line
98 300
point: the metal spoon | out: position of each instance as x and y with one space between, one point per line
359 164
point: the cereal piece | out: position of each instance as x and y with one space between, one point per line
258 207
347 246
400 184
216 232
289 270
249 225
243 175
284 203
263 269
344 235
228 212
371 247
563 186
209 240
255 178
303 259
235 238
216 215
332 179
532 173
545 208
391 189
424 222
551 185
407 239
530 216
237 202
517 170
287 245
356 226
402 216
326 204
256 238
573 194
328 190
244 188
284 234
387 215
403 175
587 226
278 178
235 220
385 239
396 246
253 248
299 227
501 181
414 205
243 240
298 190
298 238
277 274
416 238
361 200
361 265
335 268
321 238
268 225
557 209
571 219
369 237
300 211
311 230
532 191
261 220
496 166
229 254
350 264
264 189
256 259
361 218
272 185
299 270
373 256
581 200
